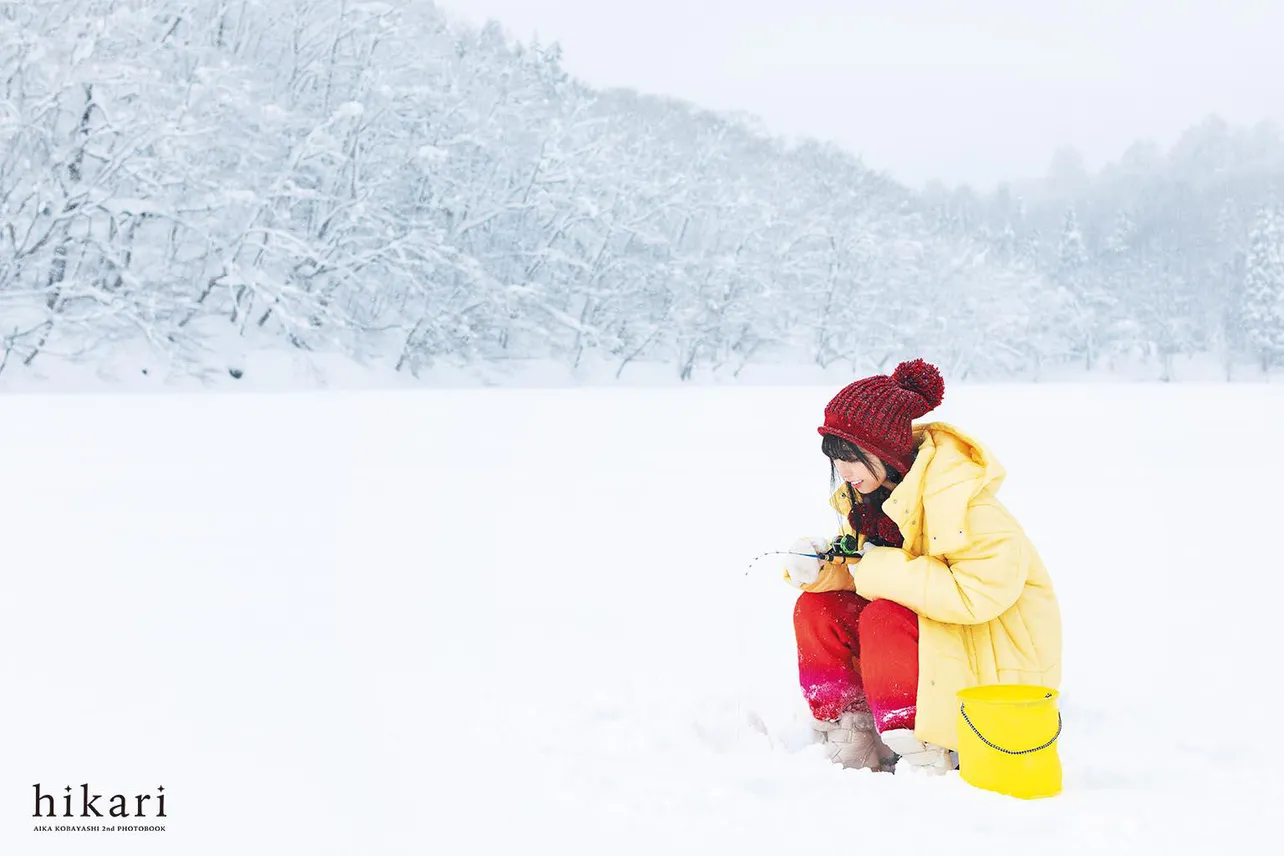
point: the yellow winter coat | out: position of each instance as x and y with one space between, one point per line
987 611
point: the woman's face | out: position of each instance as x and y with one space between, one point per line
859 476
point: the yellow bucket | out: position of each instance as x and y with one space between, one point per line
1007 739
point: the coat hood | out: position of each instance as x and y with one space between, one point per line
950 470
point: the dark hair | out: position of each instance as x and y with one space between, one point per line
838 449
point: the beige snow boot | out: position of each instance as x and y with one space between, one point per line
853 742
917 756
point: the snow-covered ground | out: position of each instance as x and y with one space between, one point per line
519 620
233 363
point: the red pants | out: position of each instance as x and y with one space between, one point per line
857 655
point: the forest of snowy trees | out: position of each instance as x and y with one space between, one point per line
371 179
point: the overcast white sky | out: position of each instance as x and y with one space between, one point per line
963 90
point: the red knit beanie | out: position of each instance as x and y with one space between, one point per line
877 413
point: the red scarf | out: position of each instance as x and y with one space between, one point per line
874 525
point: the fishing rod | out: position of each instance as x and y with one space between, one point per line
842 550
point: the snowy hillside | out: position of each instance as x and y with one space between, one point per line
372 180
460 621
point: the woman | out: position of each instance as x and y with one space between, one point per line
948 592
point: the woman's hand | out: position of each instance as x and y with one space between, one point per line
805 570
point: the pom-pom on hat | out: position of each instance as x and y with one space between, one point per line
878 413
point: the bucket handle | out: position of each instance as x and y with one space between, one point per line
1009 751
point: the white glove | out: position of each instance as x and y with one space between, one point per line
805 570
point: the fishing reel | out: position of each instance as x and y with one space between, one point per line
842 549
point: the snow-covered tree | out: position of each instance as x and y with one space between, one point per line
370 178
1263 305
